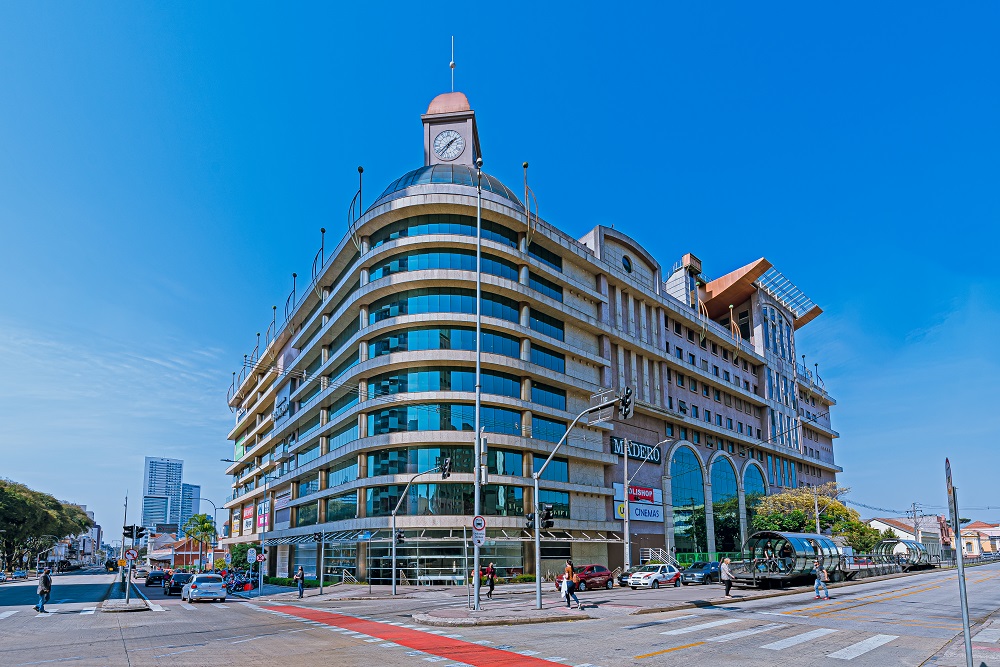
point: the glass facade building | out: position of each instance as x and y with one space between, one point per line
367 378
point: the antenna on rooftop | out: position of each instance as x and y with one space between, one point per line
451 64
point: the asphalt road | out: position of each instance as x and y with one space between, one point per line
906 621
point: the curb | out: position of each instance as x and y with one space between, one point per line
139 603
426 619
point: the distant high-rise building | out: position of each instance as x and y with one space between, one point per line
190 502
161 491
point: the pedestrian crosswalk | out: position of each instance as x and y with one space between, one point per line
784 635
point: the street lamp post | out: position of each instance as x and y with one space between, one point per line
476 484
628 508
538 505
402 497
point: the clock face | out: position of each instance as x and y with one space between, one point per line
449 145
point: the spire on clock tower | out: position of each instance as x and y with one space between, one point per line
450 134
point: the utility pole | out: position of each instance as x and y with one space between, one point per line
916 524
816 508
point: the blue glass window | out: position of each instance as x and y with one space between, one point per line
412 460
688 491
442 417
543 394
443 379
545 256
545 358
422 499
459 260
308 485
725 506
433 338
505 462
342 507
344 436
423 225
547 325
547 429
546 287
558 499
503 500
307 455
441 300
556 471
343 404
307 515
342 473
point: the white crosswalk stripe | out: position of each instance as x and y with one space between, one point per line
88 610
8 614
747 633
702 626
991 635
187 606
46 613
862 647
798 639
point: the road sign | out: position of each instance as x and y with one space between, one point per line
229 559
131 554
251 555
478 530
261 558
121 562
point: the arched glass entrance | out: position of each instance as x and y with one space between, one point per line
688 492
725 506
753 490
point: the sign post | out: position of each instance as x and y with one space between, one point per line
479 531
130 556
959 560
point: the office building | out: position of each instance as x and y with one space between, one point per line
190 502
161 491
366 378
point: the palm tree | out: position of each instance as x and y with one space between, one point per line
200 527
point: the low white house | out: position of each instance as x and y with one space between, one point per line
927 533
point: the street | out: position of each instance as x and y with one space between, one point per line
904 621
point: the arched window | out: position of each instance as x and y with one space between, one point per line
688 491
725 506
753 491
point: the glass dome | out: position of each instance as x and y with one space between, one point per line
448 174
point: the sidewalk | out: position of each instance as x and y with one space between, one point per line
381 592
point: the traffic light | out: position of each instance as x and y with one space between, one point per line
529 520
547 516
399 537
625 403
128 531
446 468
138 531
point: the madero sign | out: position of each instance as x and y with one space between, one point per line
636 450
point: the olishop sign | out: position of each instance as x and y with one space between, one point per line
636 450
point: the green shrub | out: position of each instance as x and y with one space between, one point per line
288 581
522 578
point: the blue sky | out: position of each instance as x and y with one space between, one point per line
165 167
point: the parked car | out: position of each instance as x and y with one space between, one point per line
3 576
591 577
19 574
623 577
176 582
654 576
702 572
140 573
204 587
155 578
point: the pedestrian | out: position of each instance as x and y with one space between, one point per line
491 579
570 581
43 590
821 578
300 581
727 576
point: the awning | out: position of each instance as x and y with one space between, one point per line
453 535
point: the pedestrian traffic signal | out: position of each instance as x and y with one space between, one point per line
625 403
529 520
446 468
547 516
399 537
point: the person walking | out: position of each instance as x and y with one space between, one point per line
44 590
727 576
300 581
491 576
570 581
821 578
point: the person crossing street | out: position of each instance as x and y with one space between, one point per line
44 590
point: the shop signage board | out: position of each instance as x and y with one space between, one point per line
640 511
636 450
639 494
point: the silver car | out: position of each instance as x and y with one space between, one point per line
204 587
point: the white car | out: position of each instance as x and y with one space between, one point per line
654 576
204 587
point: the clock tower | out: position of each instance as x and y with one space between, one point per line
450 135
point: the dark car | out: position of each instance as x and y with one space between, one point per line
155 578
623 577
591 577
176 582
702 572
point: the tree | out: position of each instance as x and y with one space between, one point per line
860 536
239 553
29 519
200 527
794 521
888 534
833 512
